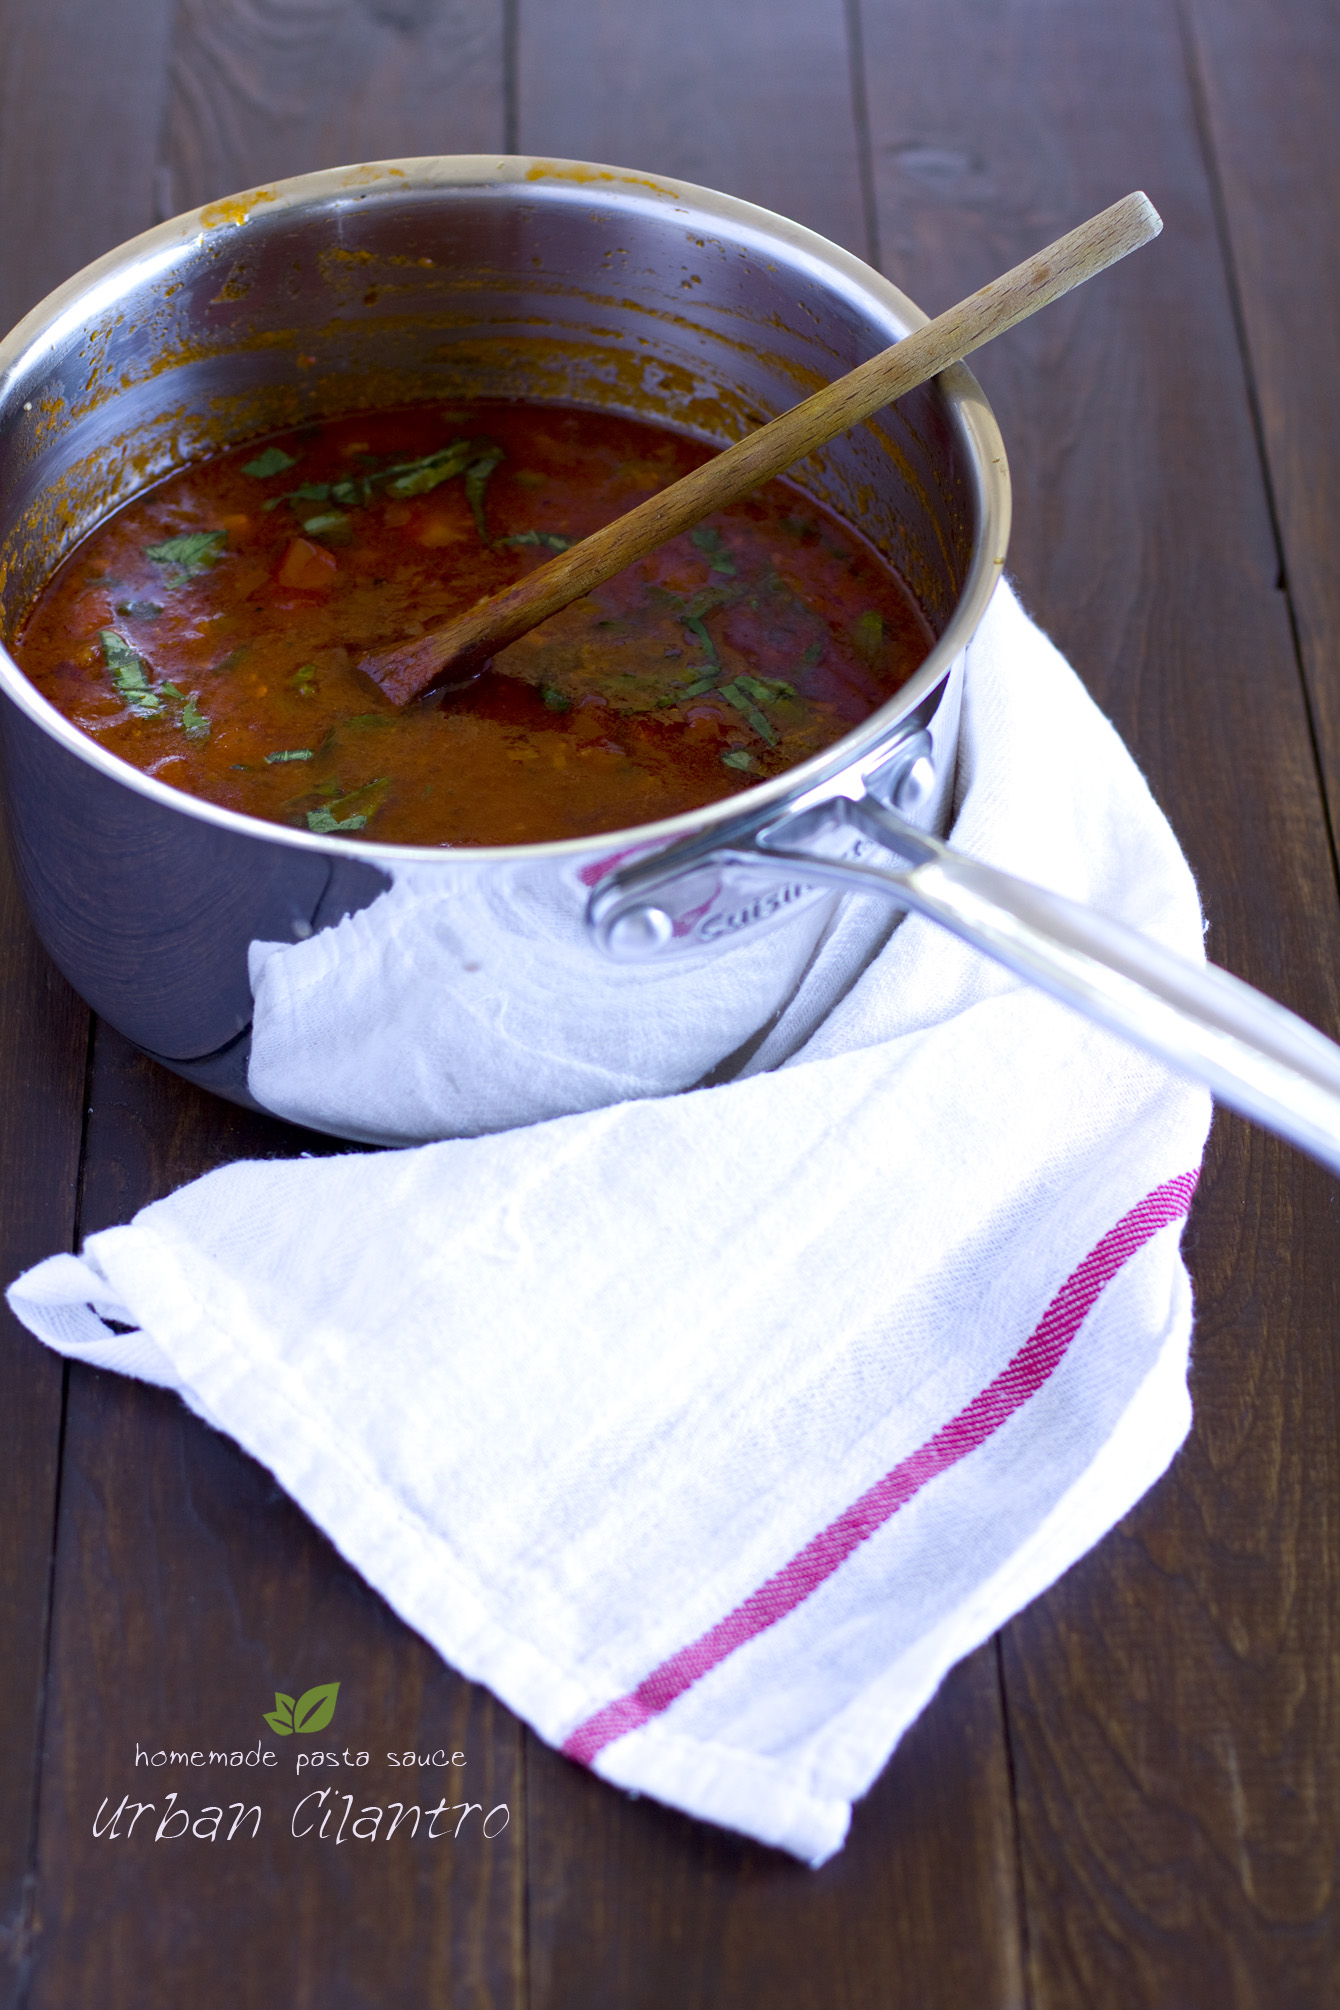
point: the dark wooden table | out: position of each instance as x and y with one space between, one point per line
1131 1796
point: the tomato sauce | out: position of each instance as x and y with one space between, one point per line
208 631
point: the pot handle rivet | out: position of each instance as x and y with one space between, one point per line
916 786
637 933
906 781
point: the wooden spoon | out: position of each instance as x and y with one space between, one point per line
458 651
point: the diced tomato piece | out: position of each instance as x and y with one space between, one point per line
438 529
308 567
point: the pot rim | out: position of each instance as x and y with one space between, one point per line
97 287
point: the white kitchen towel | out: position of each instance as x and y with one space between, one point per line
710 1430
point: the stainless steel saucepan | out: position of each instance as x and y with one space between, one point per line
391 992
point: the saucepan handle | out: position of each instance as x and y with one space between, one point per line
1253 1054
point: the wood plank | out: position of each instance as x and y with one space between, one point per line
631 1904
754 98
60 210
261 89
1172 1729
43 1049
1269 72
81 100
188 1590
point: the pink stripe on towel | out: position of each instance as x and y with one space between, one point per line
993 1406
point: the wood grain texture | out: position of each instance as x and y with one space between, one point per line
55 216
81 102
261 89
635 1908
42 1063
754 98
1172 1711
1269 74
188 1590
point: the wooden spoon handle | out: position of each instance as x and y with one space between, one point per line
458 650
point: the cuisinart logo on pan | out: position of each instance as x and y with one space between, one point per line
761 908
774 900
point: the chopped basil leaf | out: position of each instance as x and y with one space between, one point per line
144 699
297 499
700 685
713 546
309 492
139 610
303 680
555 699
765 691
868 633
191 553
738 758
744 703
416 478
694 624
550 538
288 754
128 676
476 480
702 602
324 823
354 494
270 461
232 659
327 818
193 721
329 525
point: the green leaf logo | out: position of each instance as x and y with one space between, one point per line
312 1711
281 1717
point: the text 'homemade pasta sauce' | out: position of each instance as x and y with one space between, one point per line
207 632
